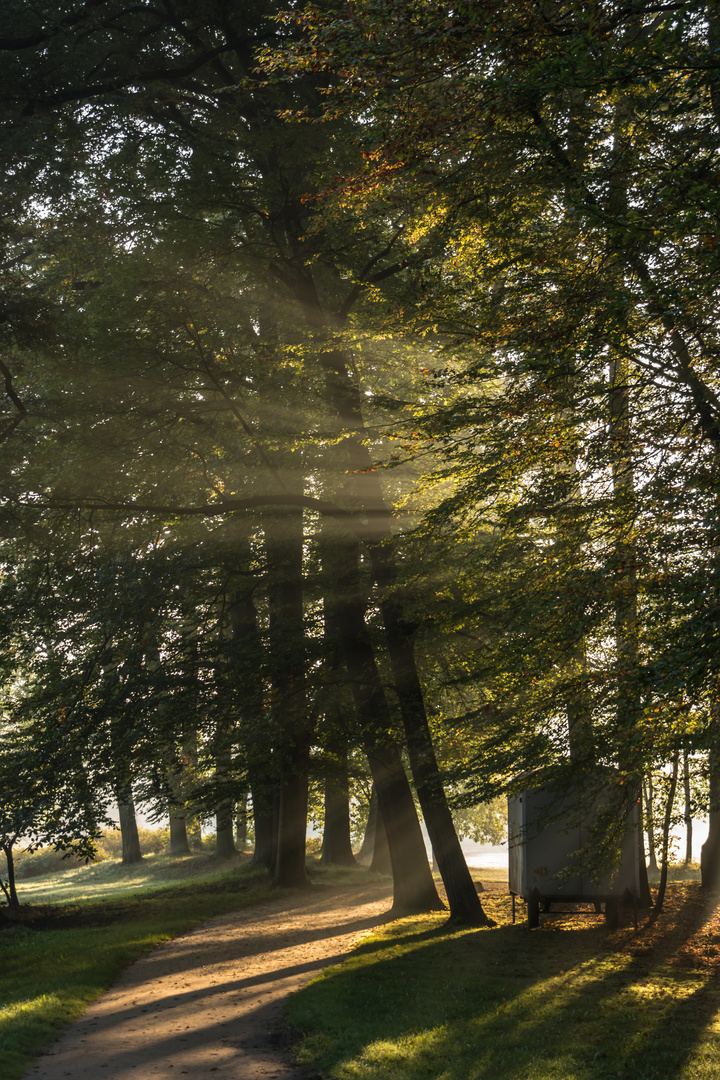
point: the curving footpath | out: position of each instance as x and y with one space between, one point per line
210 1004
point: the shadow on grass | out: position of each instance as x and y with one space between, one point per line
575 1004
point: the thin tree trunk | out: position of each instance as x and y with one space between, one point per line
255 723
687 816
667 821
648 794
241 823
11 891
629 698
284 548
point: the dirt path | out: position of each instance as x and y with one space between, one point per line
210 1003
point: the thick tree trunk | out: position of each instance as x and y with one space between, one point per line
345 398
413 885
284 549
178 835
131 852
710 851
263 825
337 845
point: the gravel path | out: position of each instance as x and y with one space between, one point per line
210 1003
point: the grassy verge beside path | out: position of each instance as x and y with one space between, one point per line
569 1001
51 969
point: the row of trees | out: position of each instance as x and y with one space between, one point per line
361 395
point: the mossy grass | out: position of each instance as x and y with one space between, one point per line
569 1001
63 955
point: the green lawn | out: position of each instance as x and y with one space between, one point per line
108 916
569 1001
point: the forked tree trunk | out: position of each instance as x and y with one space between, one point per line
413 885
367 495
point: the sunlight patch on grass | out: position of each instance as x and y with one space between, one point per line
418 1001
99 881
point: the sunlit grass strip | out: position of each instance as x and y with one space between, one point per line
418 1002
48 978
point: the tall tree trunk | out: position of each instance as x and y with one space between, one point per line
648 796
284 548
11 890
224 839
627 648
131 852
336 844
667 821
366 494
178 835
687 816
413 886
710 851
255 724
380 851
241 822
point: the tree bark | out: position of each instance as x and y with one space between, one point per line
131 852
687 816
629 698
710 851
178 835
255 723
648 794
337 845
241 822
11 892
284 548
413 885
380 851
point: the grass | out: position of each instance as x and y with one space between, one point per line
569 1001
86 926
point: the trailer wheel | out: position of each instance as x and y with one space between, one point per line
533 915
612 914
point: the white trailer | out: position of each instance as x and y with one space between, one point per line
547 842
